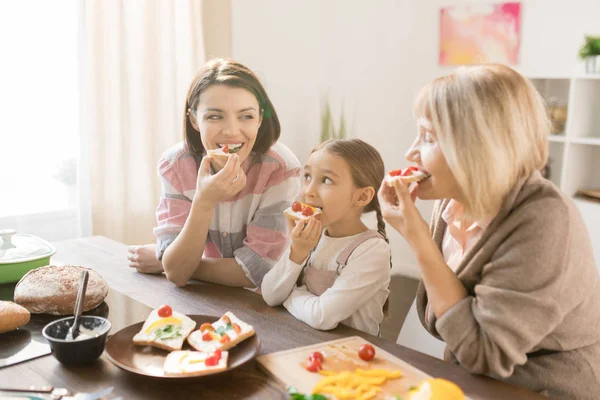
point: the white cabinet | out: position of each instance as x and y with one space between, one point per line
574 155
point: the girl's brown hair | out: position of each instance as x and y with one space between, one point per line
222 71
366 167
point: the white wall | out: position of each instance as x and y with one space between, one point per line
376 55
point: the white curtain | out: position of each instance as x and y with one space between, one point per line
138 58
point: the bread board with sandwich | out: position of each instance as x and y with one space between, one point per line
225 151
165 345
302 212
408 175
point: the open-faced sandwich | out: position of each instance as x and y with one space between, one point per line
165 329
195 363
222 334
225 150
300 211
410 174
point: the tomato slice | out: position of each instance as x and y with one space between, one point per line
225 319
207 326
225 339
207 337
237 328
317 355
165 311
226 149
314 365
307 211
296 207
396 172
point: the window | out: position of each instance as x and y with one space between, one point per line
39 123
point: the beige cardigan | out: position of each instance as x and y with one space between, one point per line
532 285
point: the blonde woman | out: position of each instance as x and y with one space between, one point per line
508 278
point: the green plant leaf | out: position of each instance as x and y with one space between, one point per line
167 332
222 329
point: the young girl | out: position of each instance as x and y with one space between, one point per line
509 280
343 272
222 221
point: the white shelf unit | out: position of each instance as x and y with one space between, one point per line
574 156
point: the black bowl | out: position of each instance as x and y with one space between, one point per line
83 350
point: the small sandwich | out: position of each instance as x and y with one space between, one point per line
223 334
409 175
165 329
195 363
300 211
224 151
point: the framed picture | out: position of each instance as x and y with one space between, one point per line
477 33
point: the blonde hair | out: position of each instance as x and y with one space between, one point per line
492 126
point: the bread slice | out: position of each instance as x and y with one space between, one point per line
298 216
415 176
12 316
226 325
165 333
192 363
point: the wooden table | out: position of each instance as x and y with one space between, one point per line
277 329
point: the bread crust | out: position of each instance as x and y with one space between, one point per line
12 316
53 289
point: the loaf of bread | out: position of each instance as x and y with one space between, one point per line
12 316
53 290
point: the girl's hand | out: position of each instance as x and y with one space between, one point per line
399 210
214 189
305 236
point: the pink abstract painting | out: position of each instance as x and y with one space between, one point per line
478 33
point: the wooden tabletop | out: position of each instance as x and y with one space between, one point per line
277 329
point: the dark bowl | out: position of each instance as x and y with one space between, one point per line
81 351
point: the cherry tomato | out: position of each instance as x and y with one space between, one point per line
396 172
206 326
225 339
165 311
225 319
366 352
296 207
307 211
314 365
226 149
317 355
237 328
214 359
207 337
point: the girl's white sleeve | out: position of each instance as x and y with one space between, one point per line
367 271
278 283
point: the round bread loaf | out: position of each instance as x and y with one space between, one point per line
12 316
53 290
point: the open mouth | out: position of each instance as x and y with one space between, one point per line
231 148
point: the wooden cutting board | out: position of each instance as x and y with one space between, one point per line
287 367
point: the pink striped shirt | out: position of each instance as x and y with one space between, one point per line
249 227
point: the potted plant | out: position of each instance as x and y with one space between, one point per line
590 53
328 129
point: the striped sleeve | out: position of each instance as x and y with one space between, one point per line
266 234
178 180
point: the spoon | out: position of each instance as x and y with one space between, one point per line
74 329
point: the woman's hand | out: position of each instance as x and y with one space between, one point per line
399 210
305 236
214 189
